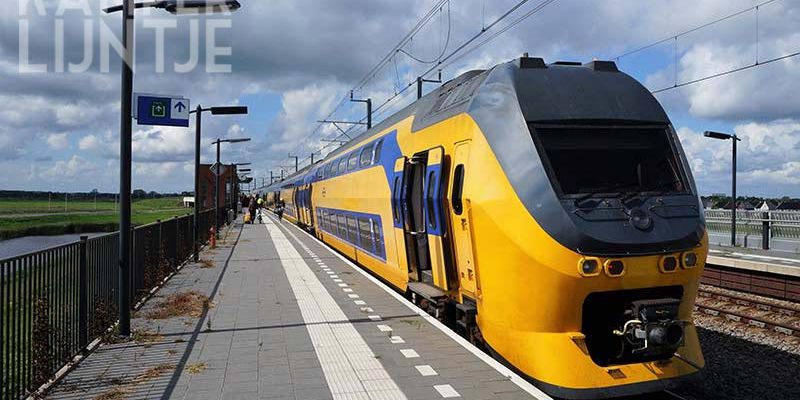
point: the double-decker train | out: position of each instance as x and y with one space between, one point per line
545 211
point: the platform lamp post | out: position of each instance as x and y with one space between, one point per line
126 128
198 129
216 179
733 139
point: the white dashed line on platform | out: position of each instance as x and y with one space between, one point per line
397 340
446 391
426 370
409 353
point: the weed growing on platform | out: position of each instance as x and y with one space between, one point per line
186 304
196 368
146 338
412 322
153 373
113 394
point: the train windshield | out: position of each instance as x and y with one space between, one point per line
610 161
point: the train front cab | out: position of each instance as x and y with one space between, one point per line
574 332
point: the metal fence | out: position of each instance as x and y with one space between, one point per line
778 230
56 301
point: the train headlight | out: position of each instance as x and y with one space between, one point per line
589 266
668 264
689 259
615 268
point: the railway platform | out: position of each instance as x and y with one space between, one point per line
760 272
284 317
777 262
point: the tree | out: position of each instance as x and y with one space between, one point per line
139 194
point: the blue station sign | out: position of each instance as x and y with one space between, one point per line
161 110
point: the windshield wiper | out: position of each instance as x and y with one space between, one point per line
612 191
660 188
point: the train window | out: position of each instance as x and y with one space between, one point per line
366 155
334 168
377 233
458 189
342 226
319 173
331 222
630 160
352 230
430 202
365 234
342 165
376 154
396 195
352 163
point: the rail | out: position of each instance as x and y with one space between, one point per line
55 302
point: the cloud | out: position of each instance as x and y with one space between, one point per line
767 158
75 167
58 141
162 144
89 143
310 53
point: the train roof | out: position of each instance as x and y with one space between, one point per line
556 92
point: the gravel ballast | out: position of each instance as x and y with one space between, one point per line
737 369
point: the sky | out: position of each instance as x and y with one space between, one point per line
293 62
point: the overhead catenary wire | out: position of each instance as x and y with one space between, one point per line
696 28
487 28
407 38
345 98
494 35
728 72
444 48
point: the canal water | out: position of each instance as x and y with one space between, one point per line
29 244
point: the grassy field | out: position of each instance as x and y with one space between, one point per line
12 207
144 212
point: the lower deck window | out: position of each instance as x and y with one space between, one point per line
360 230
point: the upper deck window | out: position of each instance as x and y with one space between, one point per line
366 155
610 160
376 157
353 162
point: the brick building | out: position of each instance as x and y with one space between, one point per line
227 186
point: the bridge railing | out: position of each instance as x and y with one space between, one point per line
55 302
762 229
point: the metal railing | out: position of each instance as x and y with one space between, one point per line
55 302
762 229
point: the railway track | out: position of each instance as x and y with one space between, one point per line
776 316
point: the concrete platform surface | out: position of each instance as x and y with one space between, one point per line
781 263
287 318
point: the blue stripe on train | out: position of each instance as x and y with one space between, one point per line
373 245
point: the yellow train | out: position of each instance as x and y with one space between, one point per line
545 211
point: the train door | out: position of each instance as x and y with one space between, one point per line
310 205
461 220
422 218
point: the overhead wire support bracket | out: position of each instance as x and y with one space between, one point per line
421 80
369 108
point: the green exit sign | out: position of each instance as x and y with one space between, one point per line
158 109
